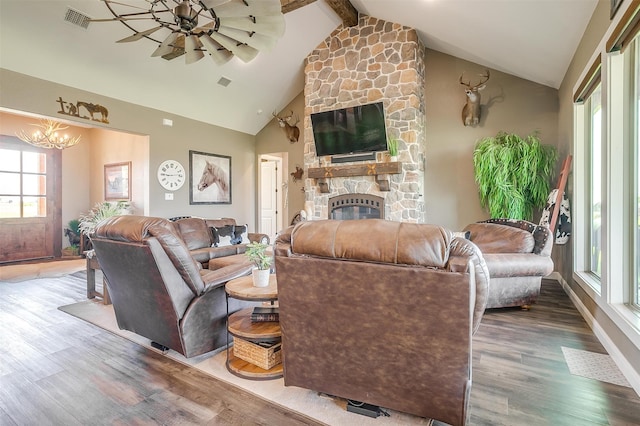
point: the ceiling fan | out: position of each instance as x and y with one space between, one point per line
222 28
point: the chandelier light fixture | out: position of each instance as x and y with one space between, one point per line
47 136
221 28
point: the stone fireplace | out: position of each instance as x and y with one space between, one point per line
371 62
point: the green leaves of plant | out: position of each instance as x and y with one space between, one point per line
513 174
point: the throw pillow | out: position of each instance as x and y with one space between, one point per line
224 235
462 234
241 235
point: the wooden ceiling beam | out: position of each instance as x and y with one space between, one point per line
291 5
345 11
343 8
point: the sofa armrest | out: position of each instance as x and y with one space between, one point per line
255 237
498 238
215 277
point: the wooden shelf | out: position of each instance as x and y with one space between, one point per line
380 171
240 325
247 370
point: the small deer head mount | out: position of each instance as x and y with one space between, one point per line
297 175
471 110
291 130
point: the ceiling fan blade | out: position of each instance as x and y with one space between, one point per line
272 26
235 8
167 45
124 4
178 49
138 36
257 41
219 54
242 51
192 47
120 19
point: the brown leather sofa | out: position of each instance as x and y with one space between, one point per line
381 312
158 290
518 255
200 236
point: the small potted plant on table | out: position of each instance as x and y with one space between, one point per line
256 252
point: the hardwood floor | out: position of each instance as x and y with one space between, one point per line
58 370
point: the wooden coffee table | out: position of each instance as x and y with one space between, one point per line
240 326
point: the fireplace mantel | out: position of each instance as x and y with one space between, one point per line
381 171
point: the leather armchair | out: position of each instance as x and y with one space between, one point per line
158 290
518 255
381 312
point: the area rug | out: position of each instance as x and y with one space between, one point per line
593 366
331 411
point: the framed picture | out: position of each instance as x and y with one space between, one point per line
209 178
117 181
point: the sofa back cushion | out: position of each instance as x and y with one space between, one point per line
497 238
373 240
195 232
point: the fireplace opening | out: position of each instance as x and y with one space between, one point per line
356 206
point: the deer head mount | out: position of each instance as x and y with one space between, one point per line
471 110
291 130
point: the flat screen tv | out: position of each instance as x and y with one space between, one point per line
350 130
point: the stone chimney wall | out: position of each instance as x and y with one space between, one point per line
371 62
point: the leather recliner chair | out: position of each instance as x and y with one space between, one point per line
158 290
381 312
518 255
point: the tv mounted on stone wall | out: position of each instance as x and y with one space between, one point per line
352 130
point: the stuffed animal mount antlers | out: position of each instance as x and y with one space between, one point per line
471 110
291 130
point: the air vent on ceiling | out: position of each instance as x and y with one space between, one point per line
77 18
224 81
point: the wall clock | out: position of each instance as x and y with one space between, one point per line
171 175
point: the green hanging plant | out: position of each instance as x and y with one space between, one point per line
513 174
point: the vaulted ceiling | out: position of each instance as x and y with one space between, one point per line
531 39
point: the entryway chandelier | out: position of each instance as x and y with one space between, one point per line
47 136
222 28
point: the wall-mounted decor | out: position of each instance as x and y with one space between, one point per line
471 110
291 130
96 111
209 178
297 175
117 181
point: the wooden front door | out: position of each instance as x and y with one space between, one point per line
30 201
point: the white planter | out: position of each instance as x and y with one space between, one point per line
393 158
260 277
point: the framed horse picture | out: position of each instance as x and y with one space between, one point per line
209 178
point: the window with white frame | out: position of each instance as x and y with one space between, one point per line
23 183
634 182
594 142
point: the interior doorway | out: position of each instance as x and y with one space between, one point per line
272 194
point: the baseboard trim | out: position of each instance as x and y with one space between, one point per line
625 367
